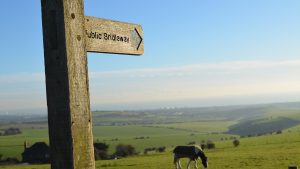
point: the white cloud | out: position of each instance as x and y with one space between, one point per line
195 81
22 77
196 68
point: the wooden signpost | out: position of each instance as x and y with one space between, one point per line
68 35
107 36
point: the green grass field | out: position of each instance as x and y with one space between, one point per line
200 126
264 152
12 146
274 151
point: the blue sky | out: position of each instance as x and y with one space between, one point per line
197 53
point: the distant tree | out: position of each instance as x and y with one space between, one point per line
100 151
161 149
279 132
203 146
232 138
146 150
142 137
12 131
123 150
101 146
100 154
236 142
210 144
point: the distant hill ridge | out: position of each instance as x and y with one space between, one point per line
262 126
175 115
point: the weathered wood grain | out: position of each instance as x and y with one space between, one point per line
107 36
69 116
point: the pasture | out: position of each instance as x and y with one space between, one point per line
12 146
167 128
266 152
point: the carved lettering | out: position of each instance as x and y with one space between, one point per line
107 36
93 35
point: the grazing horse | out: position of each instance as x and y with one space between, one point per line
191 152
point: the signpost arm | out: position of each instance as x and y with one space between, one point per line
69 116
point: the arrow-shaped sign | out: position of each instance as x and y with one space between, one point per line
107 36
136 39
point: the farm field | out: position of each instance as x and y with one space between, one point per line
172 127
208 126
12 146
264 152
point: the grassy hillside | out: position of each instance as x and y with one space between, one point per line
179 115
262 126
180 126
265 152
12 146
209 126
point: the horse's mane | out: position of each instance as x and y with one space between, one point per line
202 155
197 146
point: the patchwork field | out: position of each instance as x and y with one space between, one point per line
12 146
264 149
265 152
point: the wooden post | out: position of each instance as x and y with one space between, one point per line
69 116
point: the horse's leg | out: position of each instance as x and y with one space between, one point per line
176 165
176 161
188 166
179 164
196 164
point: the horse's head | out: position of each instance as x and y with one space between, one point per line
203 159
204 162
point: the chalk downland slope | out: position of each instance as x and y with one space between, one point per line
262 126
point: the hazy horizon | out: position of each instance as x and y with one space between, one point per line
150 106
